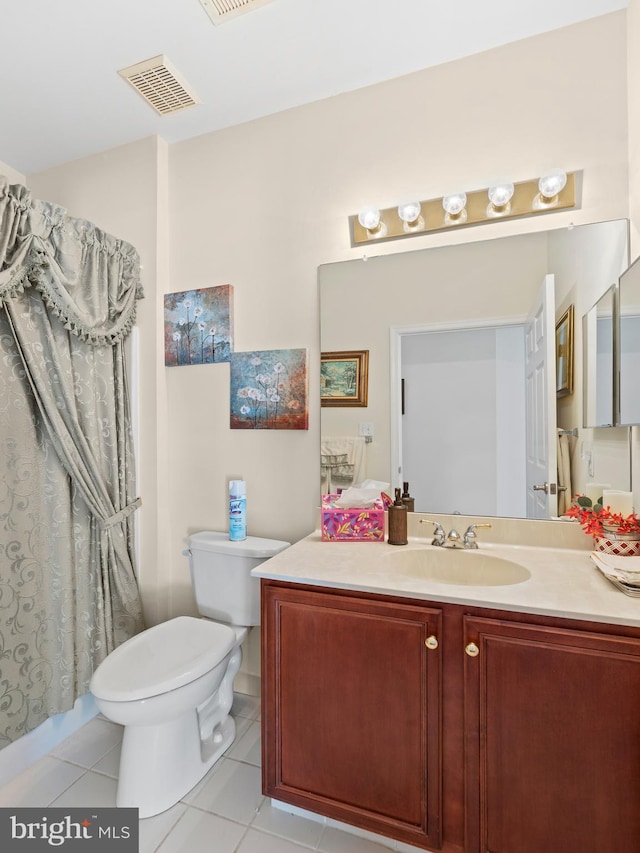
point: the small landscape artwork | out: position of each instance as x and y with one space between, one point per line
269 389
198 326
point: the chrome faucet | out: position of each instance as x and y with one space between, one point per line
438 532
453 538
470 539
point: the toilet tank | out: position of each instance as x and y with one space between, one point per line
221 575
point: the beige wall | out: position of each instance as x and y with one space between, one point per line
263 205
13 176
633 102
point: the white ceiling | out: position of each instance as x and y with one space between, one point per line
61 97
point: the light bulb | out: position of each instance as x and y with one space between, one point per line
455 203
552 183
501 194
369 218
409 212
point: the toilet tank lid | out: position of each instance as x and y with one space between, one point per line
252 546
162 658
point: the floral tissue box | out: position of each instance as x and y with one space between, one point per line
355 524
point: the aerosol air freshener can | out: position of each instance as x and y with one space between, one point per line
237 510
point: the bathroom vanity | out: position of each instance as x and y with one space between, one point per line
498 713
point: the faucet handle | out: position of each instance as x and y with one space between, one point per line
436 524
438 531
470 538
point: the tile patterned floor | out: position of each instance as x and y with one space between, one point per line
224 813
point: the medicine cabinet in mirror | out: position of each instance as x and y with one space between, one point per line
629 345
599 340
475 297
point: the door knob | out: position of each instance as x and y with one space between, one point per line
431 642
547 488
472 650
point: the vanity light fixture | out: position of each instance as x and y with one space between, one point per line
500 195
552 184
454 206
409 213
369 218
552 192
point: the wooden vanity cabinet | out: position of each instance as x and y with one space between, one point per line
552 729
517 733
351 709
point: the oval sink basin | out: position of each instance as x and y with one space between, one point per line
458 567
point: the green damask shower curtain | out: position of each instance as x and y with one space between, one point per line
68 589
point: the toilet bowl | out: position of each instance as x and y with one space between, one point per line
171 686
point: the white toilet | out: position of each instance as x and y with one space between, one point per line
171 686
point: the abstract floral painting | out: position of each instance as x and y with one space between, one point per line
269 389
198 326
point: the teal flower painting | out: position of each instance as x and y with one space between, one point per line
269 389
198 326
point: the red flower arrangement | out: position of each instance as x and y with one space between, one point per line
598 520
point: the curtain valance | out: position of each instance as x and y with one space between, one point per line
88 278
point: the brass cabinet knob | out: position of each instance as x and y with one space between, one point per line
431 642
472 650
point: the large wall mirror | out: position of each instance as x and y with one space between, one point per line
456 427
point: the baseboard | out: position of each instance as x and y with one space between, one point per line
25 751
345 827
247 683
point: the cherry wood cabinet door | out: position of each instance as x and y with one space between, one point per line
351 709
552 739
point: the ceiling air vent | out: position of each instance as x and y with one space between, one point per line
223 10
160 85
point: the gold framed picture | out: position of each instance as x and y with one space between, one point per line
564 354
344 378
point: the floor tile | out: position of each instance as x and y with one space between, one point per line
297 829
231 789
201 832
154 830
248 746
41 783
91 789
243 724
90 743
259 842
109 764
245 706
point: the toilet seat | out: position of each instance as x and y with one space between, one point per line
162 658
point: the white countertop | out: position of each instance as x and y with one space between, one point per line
564 581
